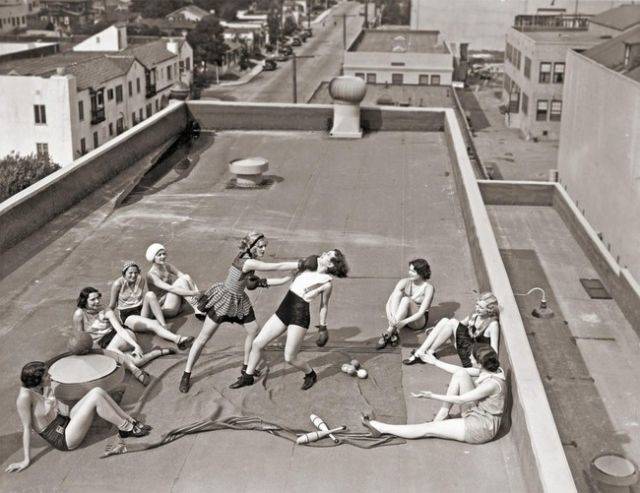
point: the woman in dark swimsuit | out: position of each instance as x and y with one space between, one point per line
482 326
39 410
228 302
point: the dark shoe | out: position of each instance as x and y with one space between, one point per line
309 380
383 341
200 316
142 376
366 422
185 382
244 380
323 338
135 432
256 373
412 360
142 426
185 343
395 339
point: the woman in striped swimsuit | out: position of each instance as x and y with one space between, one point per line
479 391
228 302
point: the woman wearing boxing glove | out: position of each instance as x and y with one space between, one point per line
228 302
293 315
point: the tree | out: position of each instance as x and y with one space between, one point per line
18 172
157 8
395 12
207 41
273 25
290 26
244 57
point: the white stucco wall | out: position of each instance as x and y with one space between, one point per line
413 65
599 155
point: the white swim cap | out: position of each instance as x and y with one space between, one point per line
153 250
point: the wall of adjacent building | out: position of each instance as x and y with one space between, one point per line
599 155
413 65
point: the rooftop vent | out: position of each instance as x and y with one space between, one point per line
399 44
348 92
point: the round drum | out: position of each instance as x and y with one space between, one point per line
77 375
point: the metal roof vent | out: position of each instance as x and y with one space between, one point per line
399 44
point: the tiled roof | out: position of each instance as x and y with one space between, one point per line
611 53
620 18
95 72
150 54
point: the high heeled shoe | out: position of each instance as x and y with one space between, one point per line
366 421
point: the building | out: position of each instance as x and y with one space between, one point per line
67 14
191 13
599 155
483 23
13 51
534 70
14 14
615 21
69 103
399 56
254 34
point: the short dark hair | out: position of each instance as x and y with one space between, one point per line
32 373
84 296
339 266
486 356
422 268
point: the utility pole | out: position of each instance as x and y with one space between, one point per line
309 2
366 14
294 68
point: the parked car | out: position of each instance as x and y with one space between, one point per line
281 57
285 50
296 41
309 32
270 64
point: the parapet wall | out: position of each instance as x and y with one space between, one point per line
33 207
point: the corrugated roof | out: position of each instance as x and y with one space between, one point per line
611 53
620 18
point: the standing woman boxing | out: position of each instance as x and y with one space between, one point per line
228 302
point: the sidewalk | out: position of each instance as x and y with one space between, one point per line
246 78
503 150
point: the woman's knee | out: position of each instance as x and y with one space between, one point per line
97 393
150 297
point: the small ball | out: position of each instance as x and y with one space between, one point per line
345 368
362 373
351 370
355 363
80 343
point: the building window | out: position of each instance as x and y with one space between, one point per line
109 94
138 85
140 115
83 146
435 80
514 99
149 110
525 103
80 110
157 104
558 73
518 58
527 67
120 125
423 80
181 66
169 73
42 150
545 73
188 63
556 111
371 78
133 118
119 93
96 143
507 83
397 79
541 110
40 114
110 129
130 88
360 74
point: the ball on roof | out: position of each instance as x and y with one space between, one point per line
348 89
80 343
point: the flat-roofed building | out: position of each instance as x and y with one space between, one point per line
14 14
69 103
534 71
399 56
599 155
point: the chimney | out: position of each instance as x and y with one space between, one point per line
173 46
348 92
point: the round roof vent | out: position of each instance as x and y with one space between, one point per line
399 44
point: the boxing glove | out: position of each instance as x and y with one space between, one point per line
309 263
254 282
323 336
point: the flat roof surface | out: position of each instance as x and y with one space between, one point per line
384 200
587 354
388 41
564 37
401 95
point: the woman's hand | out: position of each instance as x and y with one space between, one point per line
422 394
137 351
18 466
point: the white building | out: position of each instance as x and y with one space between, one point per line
399 56
70 103
14 14
251 33
188 13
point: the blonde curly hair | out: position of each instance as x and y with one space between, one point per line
249 241
492 303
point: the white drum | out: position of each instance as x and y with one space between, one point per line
77 375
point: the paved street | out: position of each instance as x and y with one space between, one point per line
326 46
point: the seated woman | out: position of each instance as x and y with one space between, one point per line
481 403
482 326
169 284
39 410
108 333
133 304
409 303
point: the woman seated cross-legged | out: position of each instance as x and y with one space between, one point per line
479 391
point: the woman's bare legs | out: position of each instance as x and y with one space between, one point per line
295 336
141 324
119 345
252 329
173 302
209 328
151 306
443 331
460 383
271 330
96 401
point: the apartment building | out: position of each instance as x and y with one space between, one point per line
399 57
69 103
534 70
14 14
599 154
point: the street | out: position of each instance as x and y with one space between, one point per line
326 46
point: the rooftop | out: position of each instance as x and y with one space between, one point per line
621 18
398 41
611 54
192 9
395 95
571 38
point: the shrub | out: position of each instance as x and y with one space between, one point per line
18 172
